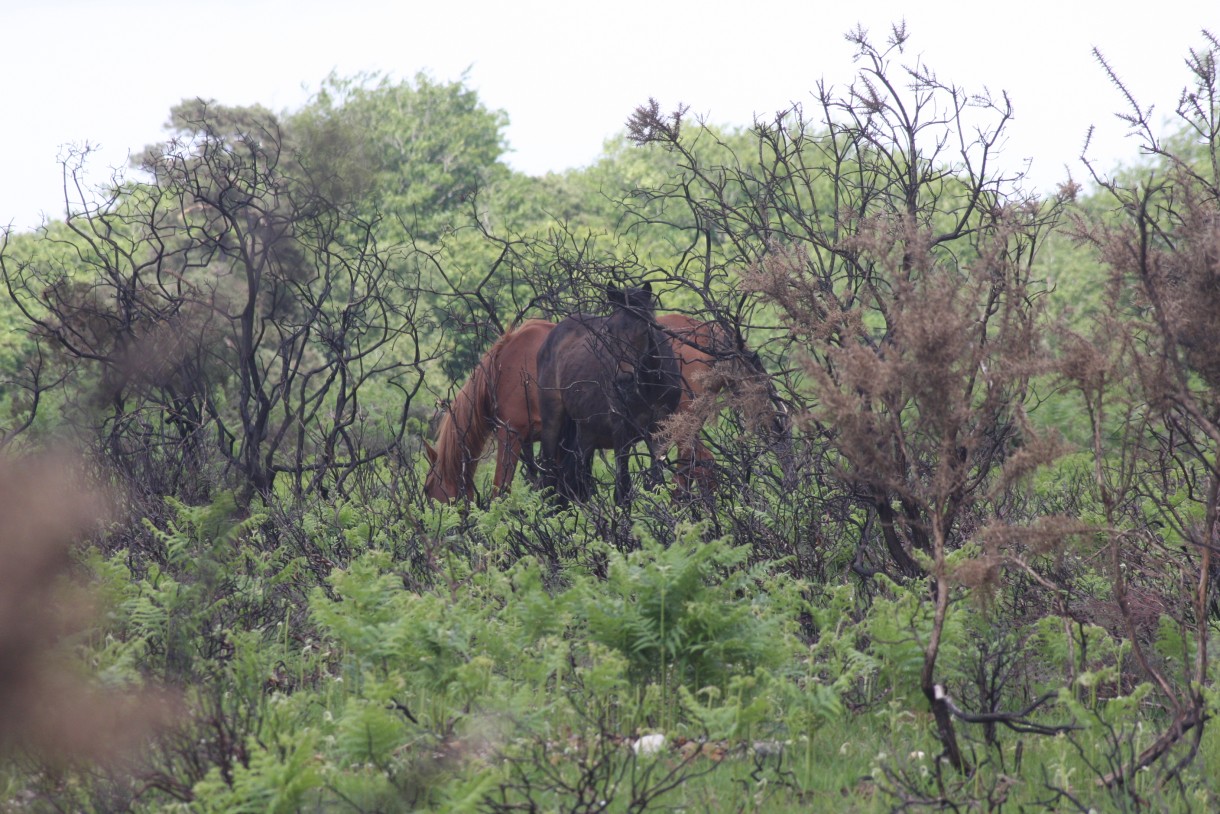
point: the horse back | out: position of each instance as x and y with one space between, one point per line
597 372
515 366
571 374
697 346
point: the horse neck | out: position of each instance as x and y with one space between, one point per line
464 430
658 374
657 352
613 341
781 423
633 332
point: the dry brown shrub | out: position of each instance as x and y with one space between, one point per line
46 704
729 383
1042 535
980 574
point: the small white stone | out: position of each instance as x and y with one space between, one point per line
648 744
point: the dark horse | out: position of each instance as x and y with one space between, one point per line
604 383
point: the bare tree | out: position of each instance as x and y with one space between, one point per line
901 260
236 308
1148 376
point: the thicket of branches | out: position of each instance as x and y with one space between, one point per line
231 315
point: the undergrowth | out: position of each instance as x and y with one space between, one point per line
478 674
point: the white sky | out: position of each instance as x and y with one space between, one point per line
567 72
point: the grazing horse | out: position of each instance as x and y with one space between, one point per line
501 397
604 383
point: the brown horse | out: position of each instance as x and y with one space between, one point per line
501 396
698 346
713 360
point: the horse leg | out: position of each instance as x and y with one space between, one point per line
703 464
554 421
654 474
577 469
684 471
530 464
582 473
564 461
695 464
622 474
506 459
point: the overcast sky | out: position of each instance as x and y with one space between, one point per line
567 72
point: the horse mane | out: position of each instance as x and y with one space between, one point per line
467 424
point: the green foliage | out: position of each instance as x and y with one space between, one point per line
202 578
513 678
690 613
1066 644
276 780
880 651
415 151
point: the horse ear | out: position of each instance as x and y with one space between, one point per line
648 286
430 452
612 293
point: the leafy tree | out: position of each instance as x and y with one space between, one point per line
424 159
415 152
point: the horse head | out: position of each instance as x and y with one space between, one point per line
779 427
435 486
447 480
634 300
451 462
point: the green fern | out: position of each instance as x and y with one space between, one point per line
692 612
